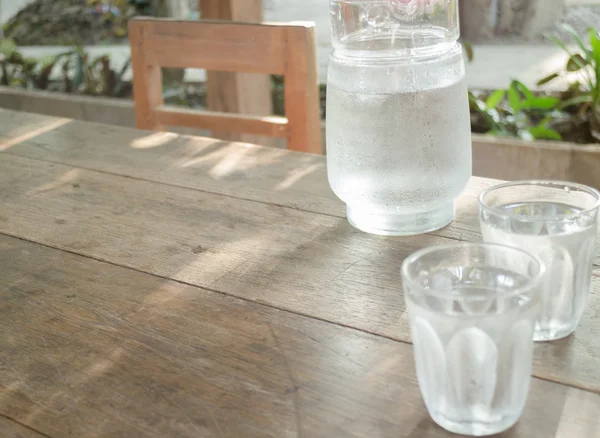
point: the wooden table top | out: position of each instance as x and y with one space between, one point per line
159 285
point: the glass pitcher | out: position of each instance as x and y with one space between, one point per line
398 123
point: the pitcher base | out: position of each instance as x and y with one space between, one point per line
399 224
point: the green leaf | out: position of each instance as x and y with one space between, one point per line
548 79
576 63
560 44
469 51
543 132
499 133
576 101
541 103
514 99
7 47
585 52
522 88
594 41
494 99
595 44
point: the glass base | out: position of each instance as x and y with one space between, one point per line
553 332
476 428
399 224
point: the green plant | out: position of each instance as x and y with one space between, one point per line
80 73
517 112
469 52
94 76
582 99
16 70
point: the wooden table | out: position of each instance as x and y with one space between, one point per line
155 285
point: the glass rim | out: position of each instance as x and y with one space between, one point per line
532 283
540 183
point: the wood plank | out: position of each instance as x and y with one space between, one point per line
101 351
301 88
147 86
242 93
303 262
258 125
12 429
250 47
254 173
234 47
260 174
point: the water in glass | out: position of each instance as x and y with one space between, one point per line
567 248
472 319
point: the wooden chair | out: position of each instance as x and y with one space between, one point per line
284 49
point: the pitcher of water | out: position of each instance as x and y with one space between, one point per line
398 124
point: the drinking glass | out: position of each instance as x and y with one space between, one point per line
556 221
472 310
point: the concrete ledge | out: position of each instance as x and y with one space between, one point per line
493 157
98 109
512 159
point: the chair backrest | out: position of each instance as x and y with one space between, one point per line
287 49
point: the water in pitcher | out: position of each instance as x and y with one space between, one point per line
402 151
398 124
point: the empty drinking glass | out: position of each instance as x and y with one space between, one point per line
472 310
556 221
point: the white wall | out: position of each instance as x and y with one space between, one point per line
583 2
305 10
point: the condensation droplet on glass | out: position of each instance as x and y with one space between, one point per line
378 16
404 9
568 189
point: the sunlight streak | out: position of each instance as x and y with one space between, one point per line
153 140
296 176
65 178
6 144
103 365
228 164
253 156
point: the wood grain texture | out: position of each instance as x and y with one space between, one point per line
260 174
286 49
257 125
301 88
214 45
101 351
12 429
147 83
303 262
242 93
242 171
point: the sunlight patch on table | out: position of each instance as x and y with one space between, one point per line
66 178
153 140
253 156
228 164
296 175
46 127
